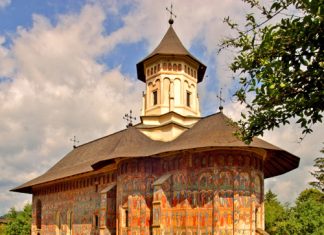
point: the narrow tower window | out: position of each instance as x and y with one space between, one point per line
155 98
188 98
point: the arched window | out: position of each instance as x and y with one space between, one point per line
39 214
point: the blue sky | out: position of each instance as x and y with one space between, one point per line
69 68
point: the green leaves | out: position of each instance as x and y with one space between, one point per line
318 173
306 217
19 222
281 65
275 212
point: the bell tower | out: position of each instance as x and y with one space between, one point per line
171 102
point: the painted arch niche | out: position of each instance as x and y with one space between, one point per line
258 210
69 217
58 223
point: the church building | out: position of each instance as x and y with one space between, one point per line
173 173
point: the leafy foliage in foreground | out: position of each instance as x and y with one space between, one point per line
19 221
281 65
306 217
319 173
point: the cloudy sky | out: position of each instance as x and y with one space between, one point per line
68 68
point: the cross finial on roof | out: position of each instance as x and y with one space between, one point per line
129 118
75 141
171 14
220 100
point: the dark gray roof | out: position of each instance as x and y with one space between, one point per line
214 132
170 45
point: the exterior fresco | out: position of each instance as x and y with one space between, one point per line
72 207
189 193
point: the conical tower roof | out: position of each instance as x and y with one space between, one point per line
170 45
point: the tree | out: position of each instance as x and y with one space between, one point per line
274 212
19 222
308 214
306 217
319 174
2 224
281 65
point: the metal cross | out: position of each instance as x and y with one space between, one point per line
75 141
220 100
171 14
129 118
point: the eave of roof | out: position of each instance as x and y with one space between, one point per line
212 132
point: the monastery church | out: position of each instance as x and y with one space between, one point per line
173 173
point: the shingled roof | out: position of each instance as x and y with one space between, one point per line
170 45
212 132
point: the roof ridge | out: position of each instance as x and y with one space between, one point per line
103 137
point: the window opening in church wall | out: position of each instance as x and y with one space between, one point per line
188 96
155 97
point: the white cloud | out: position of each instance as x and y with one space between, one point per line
289 185
58 90
4 3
